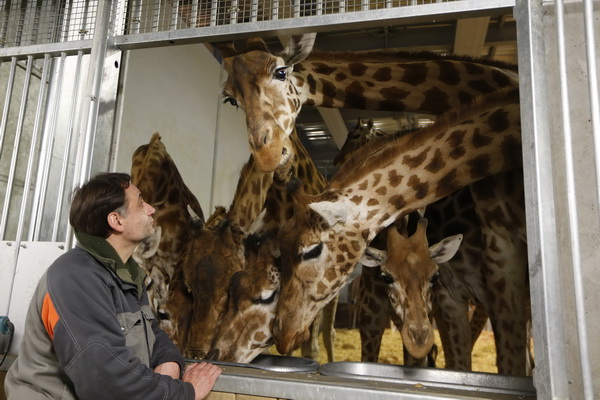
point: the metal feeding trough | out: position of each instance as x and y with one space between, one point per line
432 377
272 362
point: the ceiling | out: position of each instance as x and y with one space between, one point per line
323 131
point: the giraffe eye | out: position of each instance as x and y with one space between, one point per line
313 252
280 74
388 280
231 101
434 278
266 297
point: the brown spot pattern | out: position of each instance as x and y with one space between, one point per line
415 161
414 73
383 74
436 101
421 188
394 178
357 69
436 163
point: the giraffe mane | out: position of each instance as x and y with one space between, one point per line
361 162
386 56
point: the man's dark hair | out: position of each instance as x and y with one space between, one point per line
97 198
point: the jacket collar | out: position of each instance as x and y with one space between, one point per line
101 250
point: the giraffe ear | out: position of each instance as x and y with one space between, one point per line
298 48
331 211
446 249
373 257
148 247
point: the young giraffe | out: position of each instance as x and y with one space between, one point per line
327 235
154 172
459 282
271 89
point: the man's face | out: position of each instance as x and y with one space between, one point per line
138 221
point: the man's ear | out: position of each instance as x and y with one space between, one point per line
114 221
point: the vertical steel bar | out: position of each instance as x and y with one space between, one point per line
92 93
155 15
586 374
39 196
67 149
275 10
15 152
254 11
550 378
590 47
83 29
234 12
7 101
32 156
193 19
214 7
136 17
174 14
4 24
342 6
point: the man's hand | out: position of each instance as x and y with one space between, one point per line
203 376
170 368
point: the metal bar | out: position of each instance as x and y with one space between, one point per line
275 10
92 93
34 142
4 24
15 152
36 21
214 7
39 196
39 50
342 6
371 18
572 206
194 18
7 101
174 14
254 11
550 378
156 15
234 12
67 149
83 29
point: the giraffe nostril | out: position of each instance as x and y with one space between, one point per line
283 151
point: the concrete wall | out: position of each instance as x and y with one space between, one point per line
176 91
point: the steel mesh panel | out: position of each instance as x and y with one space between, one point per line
24 23
153 16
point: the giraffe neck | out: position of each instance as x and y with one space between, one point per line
424 83
417 169
250 195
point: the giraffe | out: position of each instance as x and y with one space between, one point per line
216 253
213 253
154 172
246 327
461 281
272 88
327 234
409 268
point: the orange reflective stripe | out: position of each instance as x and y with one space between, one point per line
49 315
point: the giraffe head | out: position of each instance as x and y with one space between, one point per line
213 254
409 267
260 83
246 327
154 172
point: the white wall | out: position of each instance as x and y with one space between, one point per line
176 91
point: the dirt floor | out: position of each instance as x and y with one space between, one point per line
347 348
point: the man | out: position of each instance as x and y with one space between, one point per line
90 332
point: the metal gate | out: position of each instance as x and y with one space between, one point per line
59 73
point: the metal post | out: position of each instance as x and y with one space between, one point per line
550 374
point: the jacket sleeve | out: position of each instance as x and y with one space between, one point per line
90 344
